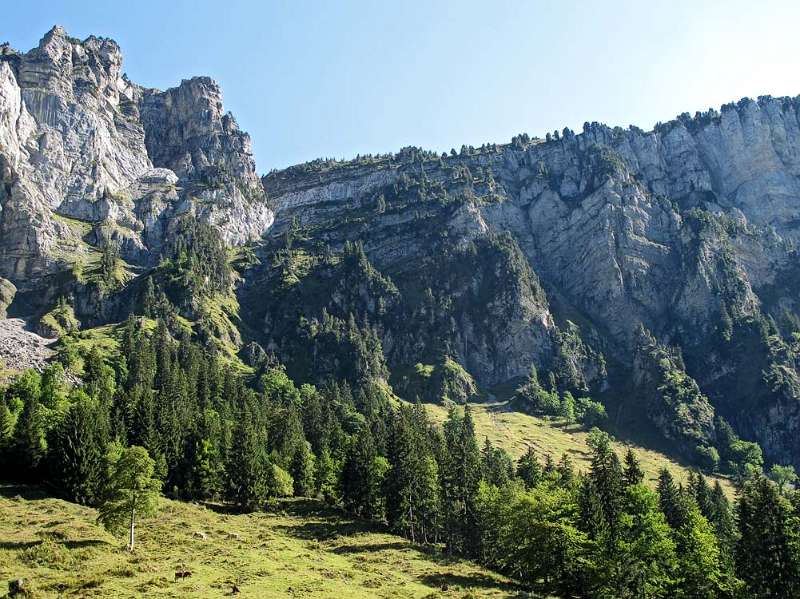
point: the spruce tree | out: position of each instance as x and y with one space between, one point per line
721 518
566 471
633 473
461 478
356 474
529 469
412 481
29 443
606 474
302 471
78 450
592 516
767 551
6 428
671 500
248 470
496 466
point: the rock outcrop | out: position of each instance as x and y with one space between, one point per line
7 293
88 157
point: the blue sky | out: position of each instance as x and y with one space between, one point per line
335 79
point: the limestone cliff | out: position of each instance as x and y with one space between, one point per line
87 156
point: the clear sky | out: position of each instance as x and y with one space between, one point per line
335 79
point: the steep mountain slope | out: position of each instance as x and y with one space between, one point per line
620 243
657 269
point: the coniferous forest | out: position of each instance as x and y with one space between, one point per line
208 433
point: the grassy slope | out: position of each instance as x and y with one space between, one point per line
514 431
302 549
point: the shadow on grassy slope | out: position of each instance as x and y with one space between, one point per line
471 581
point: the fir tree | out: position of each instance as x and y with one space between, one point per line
606 474
6 427
302 471
356 474
767 551
29 443
529 469
496 466
671 500
78 450
566 471
460 481
633 473
249 470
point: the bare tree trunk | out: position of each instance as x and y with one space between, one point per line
131 538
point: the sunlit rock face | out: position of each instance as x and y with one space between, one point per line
79 141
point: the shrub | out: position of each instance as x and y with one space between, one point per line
590 413
284 484
707 458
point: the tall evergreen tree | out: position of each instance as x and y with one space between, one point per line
767 552
671 500
606 474
29 444
496 465
460 481
357 472
721 518
302 471
633 473
78 449
412 481
529 469
249 470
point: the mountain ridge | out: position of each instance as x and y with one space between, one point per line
656 269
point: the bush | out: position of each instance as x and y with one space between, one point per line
283 481
590 413
707 458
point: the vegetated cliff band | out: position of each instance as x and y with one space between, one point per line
658 268
687 231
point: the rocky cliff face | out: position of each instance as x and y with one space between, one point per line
689 231
87 157
656 269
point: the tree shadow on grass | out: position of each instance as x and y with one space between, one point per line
11 490
84 543
472 581
324 530
372 547
18 545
